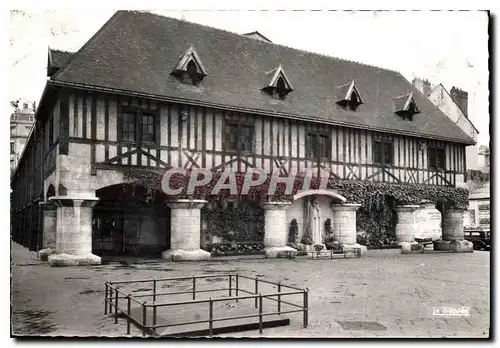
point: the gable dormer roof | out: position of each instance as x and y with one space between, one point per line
405 103
188 56
275 76
344 93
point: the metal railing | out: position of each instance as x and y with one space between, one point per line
113 295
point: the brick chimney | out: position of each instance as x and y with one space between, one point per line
423 86
461 99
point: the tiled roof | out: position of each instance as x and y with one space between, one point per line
59 58
137 51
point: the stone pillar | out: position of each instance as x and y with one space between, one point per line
49 230
275 230
185 231
74 232
428 221
453 232
344 226
407 225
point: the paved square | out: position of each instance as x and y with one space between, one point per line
382 294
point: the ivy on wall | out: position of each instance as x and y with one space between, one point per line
362 192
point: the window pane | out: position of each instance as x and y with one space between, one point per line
230 134
431 155
441 159
377 152
128 127
246 138
148 131
311 145
388 153
322 146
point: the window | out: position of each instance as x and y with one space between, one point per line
12 148
192 72
128 127
238 137
317 145
138 126
484 207
31 118
13 117
148 134
436 156
280 88
279 85
348 96
353 101
383 150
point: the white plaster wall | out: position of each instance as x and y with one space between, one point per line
297 211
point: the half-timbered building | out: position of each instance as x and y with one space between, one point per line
148 91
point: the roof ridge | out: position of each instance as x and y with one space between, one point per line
75 54
149 12
58 50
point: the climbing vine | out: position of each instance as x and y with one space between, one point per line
362 192
354 191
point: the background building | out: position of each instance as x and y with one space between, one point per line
21 122
455 105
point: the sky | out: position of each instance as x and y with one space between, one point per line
447 47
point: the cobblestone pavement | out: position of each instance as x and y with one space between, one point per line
386 288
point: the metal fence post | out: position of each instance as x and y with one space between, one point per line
210 317
154 290
260 313
106 300
306 309
128 314
116 306
110 298
154 319
256 290
237 286
230 284
194 288
144 319
279 298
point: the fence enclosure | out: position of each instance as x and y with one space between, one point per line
119 302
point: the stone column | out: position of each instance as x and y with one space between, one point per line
185 231
344 225
453 232
49 230
275 230
407 225
74 232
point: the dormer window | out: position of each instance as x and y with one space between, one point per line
189 68
192 71
279 85
406 107
348 96
281 88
